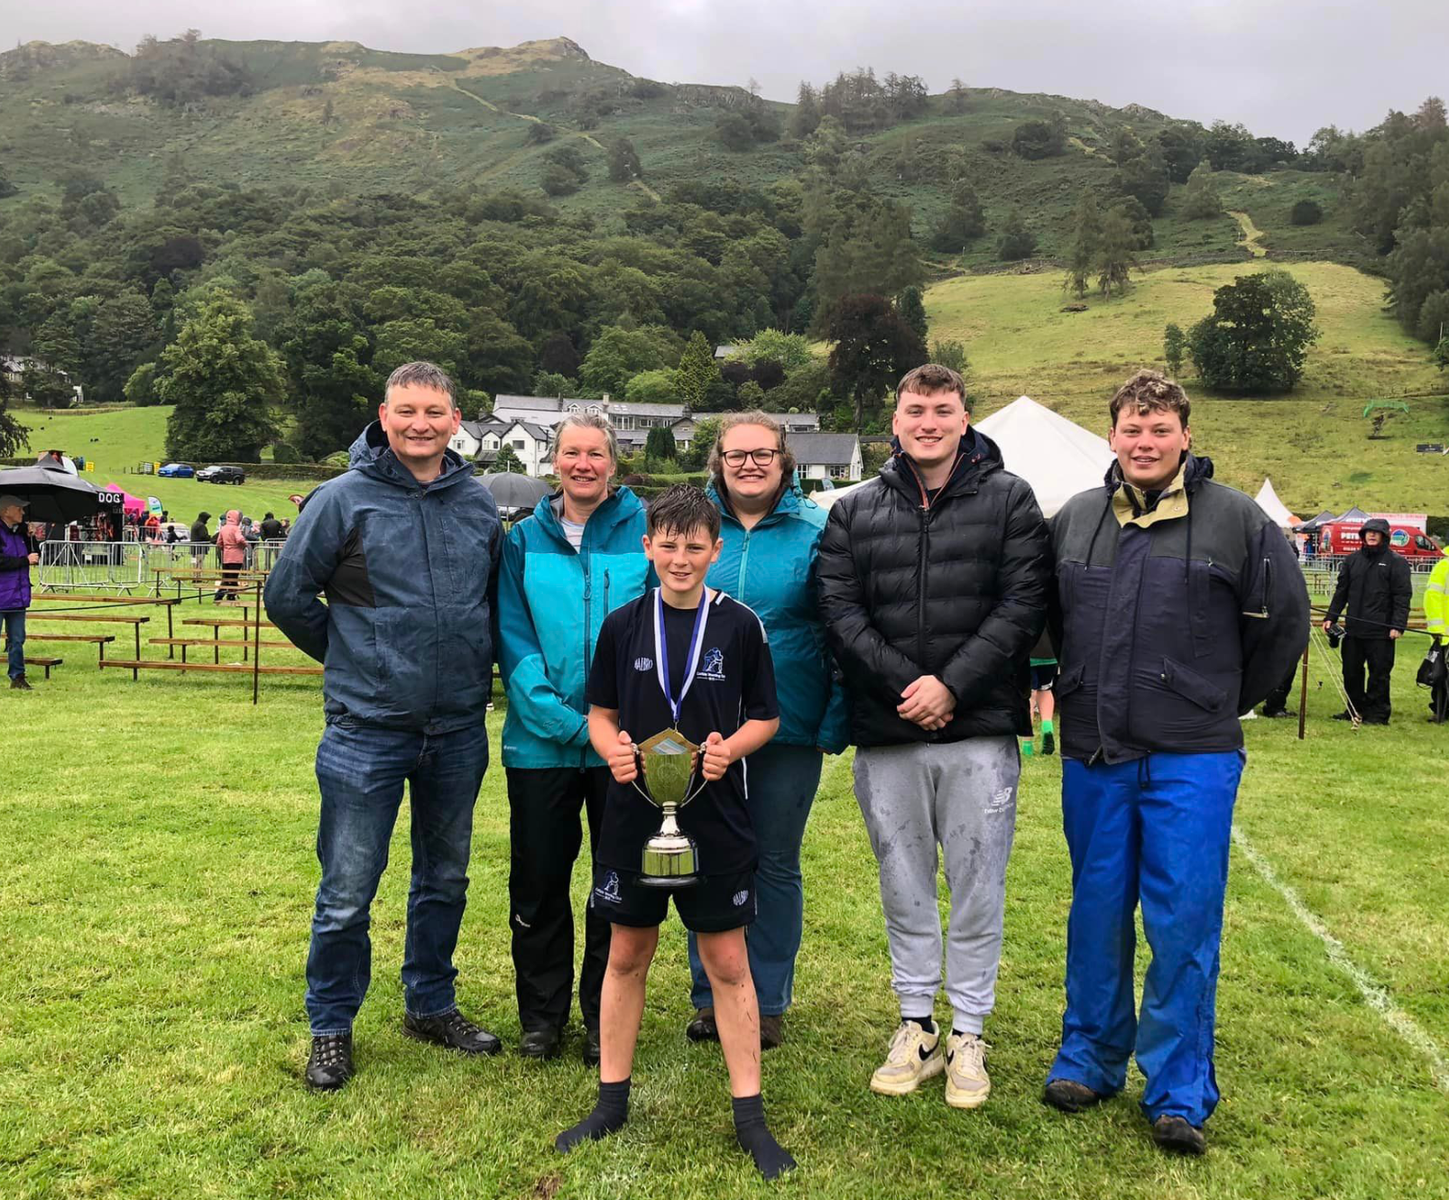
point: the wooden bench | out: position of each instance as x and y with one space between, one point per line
227 622
167 602
215 645
99 640
134 622
47 663
161 664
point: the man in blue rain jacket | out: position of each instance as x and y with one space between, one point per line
404 546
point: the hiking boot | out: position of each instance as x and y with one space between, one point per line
21 684
592 1051
967 1084
1069 1096
1274 714
540 1043
702 1028
914 1055
330 1064
453 1030
772 1031
1048 743
1175 1134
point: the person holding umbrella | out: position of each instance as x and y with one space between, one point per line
18 553
566 566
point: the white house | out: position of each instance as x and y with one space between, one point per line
826 455
530 443
479 440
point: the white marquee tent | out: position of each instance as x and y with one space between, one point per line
1277 511
1058 458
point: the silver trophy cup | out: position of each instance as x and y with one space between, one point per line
666 768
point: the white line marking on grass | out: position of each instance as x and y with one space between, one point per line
1375 995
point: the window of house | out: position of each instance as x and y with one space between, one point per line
519 444
838 471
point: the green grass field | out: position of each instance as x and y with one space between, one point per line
1313 443
156 911
119 441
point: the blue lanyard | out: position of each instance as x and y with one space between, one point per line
661 649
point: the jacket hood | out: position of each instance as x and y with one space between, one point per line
1375 525
1198 467
372 455
978 457
233 516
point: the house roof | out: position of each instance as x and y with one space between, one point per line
829 449
625 408
533 403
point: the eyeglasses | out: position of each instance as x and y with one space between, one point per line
736 458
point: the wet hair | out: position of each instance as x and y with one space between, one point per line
422 374
765 421
680 510
585 421
930 380
1150 391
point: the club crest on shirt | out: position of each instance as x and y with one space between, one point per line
711 666
609 893
643 664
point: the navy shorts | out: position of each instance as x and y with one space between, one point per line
713 904
1043 677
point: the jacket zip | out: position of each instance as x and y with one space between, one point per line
744 560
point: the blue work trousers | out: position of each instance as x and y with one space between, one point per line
1153 832
361 771
782 785
13 621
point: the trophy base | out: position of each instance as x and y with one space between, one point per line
669 862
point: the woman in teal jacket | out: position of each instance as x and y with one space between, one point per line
578 556
770 532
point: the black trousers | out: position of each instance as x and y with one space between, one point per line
1371 700
1277 700
546 834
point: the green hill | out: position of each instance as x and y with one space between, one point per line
1314 443
340 116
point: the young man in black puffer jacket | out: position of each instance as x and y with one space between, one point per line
933 582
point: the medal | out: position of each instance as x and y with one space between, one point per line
661 657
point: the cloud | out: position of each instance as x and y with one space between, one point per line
1282 67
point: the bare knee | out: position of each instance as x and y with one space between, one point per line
726 960
631 950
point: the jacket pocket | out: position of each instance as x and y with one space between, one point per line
1188 684
1069 680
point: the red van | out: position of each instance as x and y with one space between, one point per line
1341 537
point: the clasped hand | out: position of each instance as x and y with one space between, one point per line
927 702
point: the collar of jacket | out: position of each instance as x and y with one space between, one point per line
372 455
977 457
617 506
790 501
1132 506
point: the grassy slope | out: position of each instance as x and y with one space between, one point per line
1312 443
464 119
152 1033
119 441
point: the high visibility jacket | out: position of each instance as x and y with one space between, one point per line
1436 606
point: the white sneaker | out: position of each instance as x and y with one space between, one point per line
967 1084
914 1055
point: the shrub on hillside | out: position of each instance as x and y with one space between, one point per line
1306 212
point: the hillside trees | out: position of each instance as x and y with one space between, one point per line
1086 238
697 371
1257 336
1017 241
963 222
873 347
1182 146
864 243
224 383
180 71
1041 139
1200 198
624 161
12 432
1174 348
327 352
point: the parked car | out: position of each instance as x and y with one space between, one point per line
221 475
177 471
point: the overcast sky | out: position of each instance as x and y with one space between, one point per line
1282 67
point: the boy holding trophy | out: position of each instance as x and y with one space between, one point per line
681 690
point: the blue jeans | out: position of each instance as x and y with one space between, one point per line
14 622
782 782
361 771
1156 832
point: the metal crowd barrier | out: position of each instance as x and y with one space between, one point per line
93 566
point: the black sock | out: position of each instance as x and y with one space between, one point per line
771 1159
926 1023
609 1116
963 1033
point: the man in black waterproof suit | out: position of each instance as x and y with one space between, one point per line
1375 586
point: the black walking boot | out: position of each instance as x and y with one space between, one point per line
454 1031
330 1065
